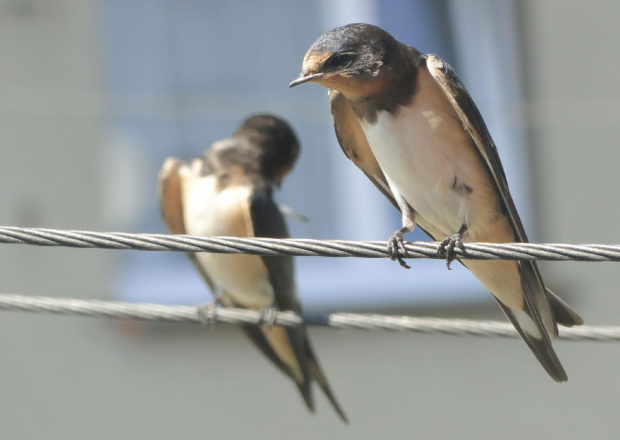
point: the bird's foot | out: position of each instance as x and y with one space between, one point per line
206 313
396 248
268 316
446 248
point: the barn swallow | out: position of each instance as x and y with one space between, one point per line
228 192
405 119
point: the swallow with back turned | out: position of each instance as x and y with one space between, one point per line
405 119
228 192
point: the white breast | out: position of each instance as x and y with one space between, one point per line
422 149
227 213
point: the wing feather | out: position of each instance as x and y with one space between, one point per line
171 204
539 305
354 144
269 222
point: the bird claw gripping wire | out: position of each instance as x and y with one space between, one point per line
396 249
268 316
207 314
446 248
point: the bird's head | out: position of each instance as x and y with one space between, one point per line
350 59
274 142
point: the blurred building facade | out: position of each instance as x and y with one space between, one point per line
93 96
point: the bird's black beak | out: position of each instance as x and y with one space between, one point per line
305 77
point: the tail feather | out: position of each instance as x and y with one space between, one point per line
536 337
564 315
317 374
304 385
306 393
298 339
535 297
258 338
306 359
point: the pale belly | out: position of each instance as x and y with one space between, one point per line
429 161
423 153
243 278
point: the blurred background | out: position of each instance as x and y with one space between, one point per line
94 94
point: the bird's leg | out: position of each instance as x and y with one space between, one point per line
447 246
396 243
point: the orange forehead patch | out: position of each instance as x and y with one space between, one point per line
314 61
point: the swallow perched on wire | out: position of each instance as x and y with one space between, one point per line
405 119
228 192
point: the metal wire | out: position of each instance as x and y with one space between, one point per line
293 247
301 247
208 315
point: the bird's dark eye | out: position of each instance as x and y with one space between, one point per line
340 60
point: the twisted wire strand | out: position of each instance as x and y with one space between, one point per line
156 312
293 247
300 247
